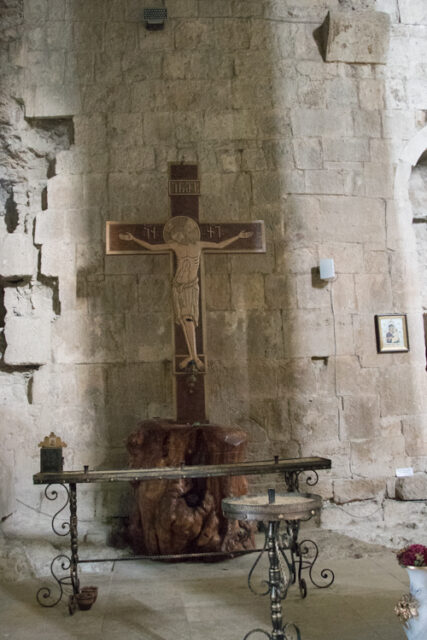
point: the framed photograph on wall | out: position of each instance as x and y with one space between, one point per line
392 333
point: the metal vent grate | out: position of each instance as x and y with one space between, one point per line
155 15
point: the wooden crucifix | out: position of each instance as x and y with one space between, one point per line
186 240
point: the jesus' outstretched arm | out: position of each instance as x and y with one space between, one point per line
224 243
128 237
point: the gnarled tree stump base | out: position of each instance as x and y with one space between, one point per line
184 515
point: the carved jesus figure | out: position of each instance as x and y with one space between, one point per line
182 236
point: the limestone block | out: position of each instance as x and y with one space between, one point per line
262 378
217 291
52 101
371 94
415 432
124 130
359 417
65 192
229 125
232 35
273 38
272 417
412 487
96 11
398 399
214 8
325 181
358 37
334 122
76 339
314 418
413 12
297 376
159 127
7 483
373 292
343 294
138 66
194 34
247 291
226 335
148 337
268 186
298 10
352 219
367 123
311 92
378 180
129 383
348 259
58 259
111 292
264 336
339 452
135 160
344 334
257 90
188 127
35 11
308 153
230 161
29 299
18 256
246 8
308 333
99 98
341 92
295 260
91 131
346 149
355 489
273 123
72 385
56 10
353 379
28 340
280 292
186 64
311 293
398 123
47 68
13 389
378 456
183 9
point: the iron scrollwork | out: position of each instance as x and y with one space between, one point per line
292 479
67 563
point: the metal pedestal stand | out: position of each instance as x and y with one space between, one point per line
291 508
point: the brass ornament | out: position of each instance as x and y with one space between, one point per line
406 608
52 442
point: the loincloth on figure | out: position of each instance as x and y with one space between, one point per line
185 297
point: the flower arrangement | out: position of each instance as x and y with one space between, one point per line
413 556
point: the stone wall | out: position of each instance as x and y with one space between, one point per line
290 123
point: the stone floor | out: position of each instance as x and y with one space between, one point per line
148 600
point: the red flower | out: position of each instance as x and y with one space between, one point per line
413 556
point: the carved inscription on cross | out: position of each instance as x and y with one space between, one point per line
186 240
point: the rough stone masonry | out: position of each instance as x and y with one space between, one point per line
308 114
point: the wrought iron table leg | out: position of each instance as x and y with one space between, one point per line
66 563
278 584
299 561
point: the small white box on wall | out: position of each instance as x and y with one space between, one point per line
327 269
